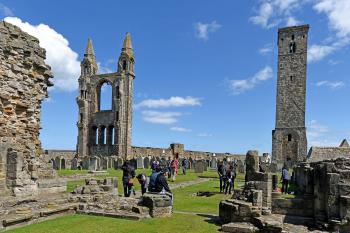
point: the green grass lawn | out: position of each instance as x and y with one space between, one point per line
178 223
191 175
183 201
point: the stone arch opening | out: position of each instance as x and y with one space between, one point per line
104 96
63 164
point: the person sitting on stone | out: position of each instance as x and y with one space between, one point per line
285 179
128 174
144 181
158 183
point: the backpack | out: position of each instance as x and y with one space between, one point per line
152 181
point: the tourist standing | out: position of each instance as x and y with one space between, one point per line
184 165
285 179
128 175
230 179
222 174
169 167
174 165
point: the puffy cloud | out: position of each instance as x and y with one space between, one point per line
161 117
180 129
271 12
62 59
174 101
202 30
239 86
332 85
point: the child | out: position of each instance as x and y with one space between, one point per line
131 186
143 180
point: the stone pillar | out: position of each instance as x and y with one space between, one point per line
252 163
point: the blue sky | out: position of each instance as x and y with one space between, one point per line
205 70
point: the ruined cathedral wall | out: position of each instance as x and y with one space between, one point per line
23 87
24 79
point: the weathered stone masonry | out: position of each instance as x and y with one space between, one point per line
107 132
289 143
24 78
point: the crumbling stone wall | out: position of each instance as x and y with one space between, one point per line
24 79
328 182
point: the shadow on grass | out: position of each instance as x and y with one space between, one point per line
211 219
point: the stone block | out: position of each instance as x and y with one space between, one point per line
239 228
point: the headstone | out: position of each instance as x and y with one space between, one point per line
57 163
119 163
94 163
133 163
214 163
240 166
205 163
74 164
104 163
146 162
191 164
199 166
63 164
140 164
252 163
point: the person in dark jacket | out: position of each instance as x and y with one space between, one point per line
285 179
230 179
158 181
184 165
222 176
128 175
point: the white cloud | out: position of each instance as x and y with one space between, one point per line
202 30
318 52
316 130
174 101
204 135
337 12
180 129
332 85
291 21
266 49
272 12
239 86
161 117
4 10
62 59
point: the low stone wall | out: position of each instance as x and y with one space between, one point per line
296 206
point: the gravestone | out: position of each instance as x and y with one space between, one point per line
240 166
214 163
199 166
57 163
74 164
146 162
104 163
94 163
205 162
190 164
140 164
119 163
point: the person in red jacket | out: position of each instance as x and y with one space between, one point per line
174 166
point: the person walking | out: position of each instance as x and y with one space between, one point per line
184 165
128 175
285 179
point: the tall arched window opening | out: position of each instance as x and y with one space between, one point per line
106 97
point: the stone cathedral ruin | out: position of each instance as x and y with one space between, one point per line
31 191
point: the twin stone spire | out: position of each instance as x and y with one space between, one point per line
127 50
